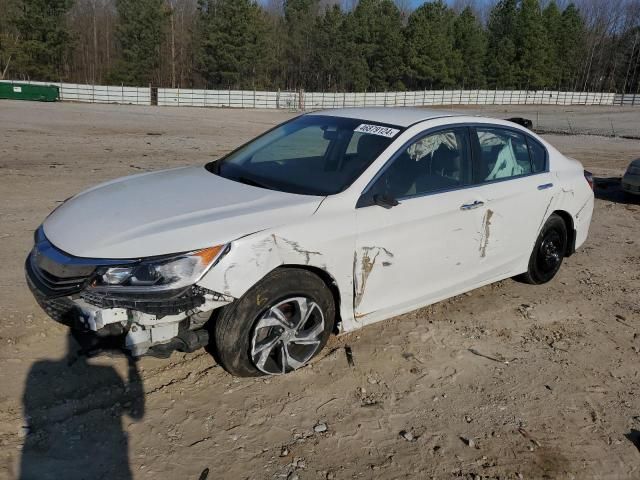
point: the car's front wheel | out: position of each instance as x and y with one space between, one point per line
278 326
548 252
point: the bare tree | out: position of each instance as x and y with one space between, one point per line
405 7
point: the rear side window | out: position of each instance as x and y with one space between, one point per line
538 156
503 154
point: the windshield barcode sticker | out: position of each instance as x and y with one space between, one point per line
377 130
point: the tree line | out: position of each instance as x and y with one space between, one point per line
325 45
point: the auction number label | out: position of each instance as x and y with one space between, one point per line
377 130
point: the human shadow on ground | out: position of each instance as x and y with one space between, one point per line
634 437
73 413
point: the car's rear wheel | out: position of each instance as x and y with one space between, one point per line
548 252
278 326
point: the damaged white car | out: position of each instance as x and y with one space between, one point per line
326 223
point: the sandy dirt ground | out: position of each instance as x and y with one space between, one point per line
601 120
509 381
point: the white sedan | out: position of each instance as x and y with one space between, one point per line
326 223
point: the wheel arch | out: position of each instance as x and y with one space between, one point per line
571 231
328 280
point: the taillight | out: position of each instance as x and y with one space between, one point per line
589 178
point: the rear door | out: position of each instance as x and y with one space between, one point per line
510 171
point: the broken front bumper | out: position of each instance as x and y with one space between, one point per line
146 323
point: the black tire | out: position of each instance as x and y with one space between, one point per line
234 327
548 252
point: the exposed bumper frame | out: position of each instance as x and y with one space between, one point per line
140 323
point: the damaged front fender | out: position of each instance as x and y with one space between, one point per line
252 257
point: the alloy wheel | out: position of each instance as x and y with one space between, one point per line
287 335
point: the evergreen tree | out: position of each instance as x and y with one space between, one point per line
471 44
43 38
552 19
375 43
8 36
531 46
572 47
356 71
329 53
323 44
431 59
231 48
501 50
139 34
300 20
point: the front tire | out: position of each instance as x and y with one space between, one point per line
277 326
548 252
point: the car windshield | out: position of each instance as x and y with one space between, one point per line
309 155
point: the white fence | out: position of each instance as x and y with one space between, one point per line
105 94
454 97
228 98
300 100
627 100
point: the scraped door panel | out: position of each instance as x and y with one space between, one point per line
515 212
518 199
415 252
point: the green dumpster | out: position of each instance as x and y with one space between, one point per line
27 91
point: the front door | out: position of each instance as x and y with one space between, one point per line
426 247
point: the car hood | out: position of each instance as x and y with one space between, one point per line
167 212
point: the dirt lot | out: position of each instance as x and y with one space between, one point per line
544 380
601 120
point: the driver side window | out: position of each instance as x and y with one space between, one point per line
436 162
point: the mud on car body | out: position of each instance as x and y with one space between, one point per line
329 222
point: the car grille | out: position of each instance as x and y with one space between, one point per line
631 188
54 273
61 309
53 285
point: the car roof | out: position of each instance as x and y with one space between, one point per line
399 116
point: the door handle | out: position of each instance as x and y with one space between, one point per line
544 186
471 206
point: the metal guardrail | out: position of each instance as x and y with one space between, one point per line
301 100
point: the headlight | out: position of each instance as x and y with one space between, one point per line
633 170
158 274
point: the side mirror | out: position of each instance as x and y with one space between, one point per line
385 201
